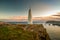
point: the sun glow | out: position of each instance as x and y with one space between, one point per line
49 13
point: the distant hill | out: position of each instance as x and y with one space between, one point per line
54 22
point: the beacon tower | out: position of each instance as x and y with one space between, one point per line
29 17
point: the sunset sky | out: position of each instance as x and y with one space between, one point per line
40 8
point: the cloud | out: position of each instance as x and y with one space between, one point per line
41 7
57 15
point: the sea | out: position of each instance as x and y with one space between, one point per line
52 30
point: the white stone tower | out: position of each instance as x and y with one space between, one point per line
29 17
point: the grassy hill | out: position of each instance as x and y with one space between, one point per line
20 32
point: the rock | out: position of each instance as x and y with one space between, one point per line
23 32
41 33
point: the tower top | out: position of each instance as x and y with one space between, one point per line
30 9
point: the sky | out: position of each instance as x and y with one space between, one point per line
39 8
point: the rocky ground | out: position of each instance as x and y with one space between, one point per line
23 32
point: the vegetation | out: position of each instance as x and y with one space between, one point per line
14 33
23 32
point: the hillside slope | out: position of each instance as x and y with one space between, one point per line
23 32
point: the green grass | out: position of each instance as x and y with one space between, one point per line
12 33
